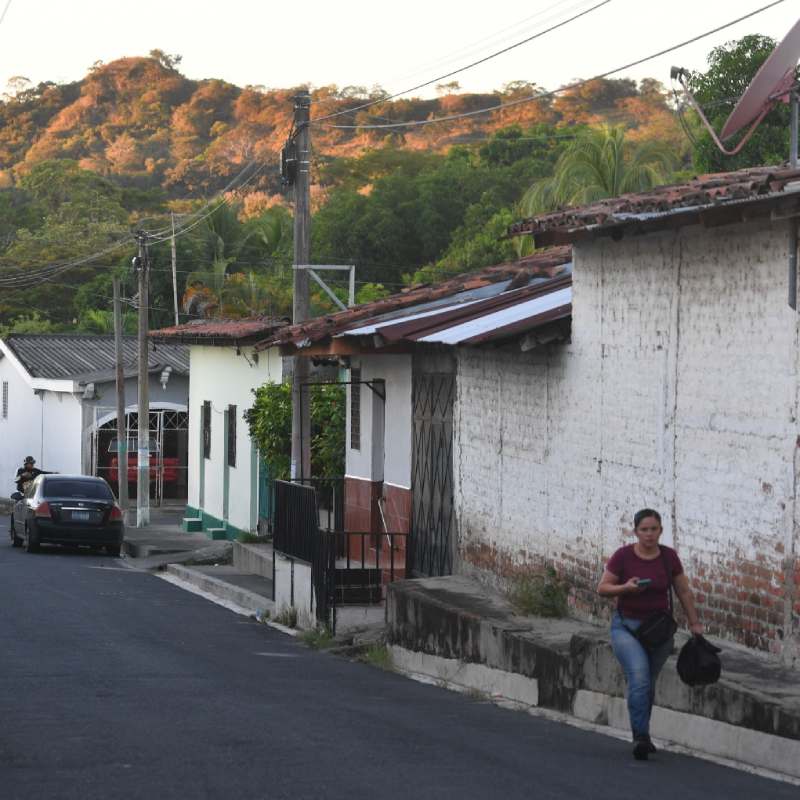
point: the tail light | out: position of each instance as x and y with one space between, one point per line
116 513
43 511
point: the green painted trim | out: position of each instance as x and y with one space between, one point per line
210 521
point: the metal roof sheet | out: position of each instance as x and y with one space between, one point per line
492 323
220 331
71 356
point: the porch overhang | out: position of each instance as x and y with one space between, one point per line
350 346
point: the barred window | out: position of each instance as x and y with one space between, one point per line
231 436
355 408
5 399
206 429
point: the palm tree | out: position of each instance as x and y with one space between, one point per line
599 163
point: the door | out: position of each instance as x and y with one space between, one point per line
432 518
264 497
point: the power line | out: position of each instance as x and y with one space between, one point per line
554 92
465 68
5 11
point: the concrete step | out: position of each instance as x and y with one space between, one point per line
192 524
250 592
256 559
217 533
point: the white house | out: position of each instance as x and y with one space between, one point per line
400 353
58 394
227 491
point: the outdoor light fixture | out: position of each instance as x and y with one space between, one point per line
164 379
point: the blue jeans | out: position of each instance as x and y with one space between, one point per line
641 671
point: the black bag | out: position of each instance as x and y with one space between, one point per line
659 626
698 662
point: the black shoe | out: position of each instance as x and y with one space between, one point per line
651 746
642 748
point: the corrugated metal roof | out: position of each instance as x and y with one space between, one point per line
491 325
666 206
68 356
541 266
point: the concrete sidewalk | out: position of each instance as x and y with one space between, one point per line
454 631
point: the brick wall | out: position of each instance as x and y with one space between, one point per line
679 390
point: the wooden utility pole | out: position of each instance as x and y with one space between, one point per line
122 428
301 423
143 442
174 271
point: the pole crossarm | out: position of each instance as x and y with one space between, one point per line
349 268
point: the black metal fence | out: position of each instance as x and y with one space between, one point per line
347 567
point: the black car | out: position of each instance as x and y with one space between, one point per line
67 509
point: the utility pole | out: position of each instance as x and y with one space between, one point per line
301 423
143 444
174 271
122 428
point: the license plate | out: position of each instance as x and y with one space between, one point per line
81 516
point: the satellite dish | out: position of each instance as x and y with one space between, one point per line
775 78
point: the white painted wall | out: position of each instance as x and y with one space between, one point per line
220 376
61 432
386 430
20 432
679 391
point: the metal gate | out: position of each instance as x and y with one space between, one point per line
169 460
432 518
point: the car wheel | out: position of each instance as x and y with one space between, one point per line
31 541
15 540
114 550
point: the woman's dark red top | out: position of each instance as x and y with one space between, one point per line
625 564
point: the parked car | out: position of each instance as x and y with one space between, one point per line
67 510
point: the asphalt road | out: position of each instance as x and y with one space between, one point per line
117 684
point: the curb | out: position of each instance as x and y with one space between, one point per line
256 604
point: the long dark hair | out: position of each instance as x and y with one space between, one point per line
644 513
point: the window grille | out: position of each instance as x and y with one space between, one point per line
5 399
206 429
231 436
355 408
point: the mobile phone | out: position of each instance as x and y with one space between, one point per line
644 582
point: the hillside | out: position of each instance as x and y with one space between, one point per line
142 123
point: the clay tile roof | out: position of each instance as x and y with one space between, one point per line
542 264
220 331
671 202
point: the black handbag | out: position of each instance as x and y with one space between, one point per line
660 626
699 663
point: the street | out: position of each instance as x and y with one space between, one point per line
121 685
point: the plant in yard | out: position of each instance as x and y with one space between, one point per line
378 655
287 617
540 594
318 638
250 538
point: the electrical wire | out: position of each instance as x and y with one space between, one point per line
575 85
464 68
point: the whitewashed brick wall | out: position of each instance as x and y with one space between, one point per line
679 390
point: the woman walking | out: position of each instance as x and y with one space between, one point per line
640 576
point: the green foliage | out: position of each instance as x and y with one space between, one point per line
378 655
270 423
370 292
540 594
318 638
599 163
29 323
731 67
287 617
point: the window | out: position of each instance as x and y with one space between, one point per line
206 429
355 408
5 399
231 436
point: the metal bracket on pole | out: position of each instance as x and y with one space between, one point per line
312 271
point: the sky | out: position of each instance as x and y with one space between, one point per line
360 42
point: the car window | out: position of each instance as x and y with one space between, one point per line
64 487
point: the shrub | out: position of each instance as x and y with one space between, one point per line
540 594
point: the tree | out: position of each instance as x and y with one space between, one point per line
731 67
599 163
